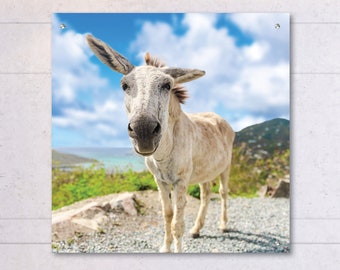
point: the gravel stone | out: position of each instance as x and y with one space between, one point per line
258 225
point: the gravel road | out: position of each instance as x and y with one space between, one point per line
255 226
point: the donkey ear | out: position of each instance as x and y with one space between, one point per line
109 56
183 75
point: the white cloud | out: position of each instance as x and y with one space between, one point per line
251 80
203 46
262 27
101 126
75 82
247 121
108 111
256 52
259 88
71 68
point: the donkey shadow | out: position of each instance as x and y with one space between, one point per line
258 243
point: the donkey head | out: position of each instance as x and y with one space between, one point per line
147 92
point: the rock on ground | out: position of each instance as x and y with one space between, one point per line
255 225
92 215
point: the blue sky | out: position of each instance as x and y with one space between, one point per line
245 57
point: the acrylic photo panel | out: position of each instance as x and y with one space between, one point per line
135 168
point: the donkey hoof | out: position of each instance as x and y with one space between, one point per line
224 230
194 235
164 250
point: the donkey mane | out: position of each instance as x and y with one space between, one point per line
153 61
179 91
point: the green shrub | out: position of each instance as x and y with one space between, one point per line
194 191
82 183
246 177
248 173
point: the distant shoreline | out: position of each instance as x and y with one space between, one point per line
68 160
111 158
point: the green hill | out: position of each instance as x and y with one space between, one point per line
265 138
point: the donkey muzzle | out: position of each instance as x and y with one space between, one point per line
145 133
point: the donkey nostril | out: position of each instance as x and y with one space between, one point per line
130 128
157 129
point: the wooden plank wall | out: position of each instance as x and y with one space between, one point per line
25 136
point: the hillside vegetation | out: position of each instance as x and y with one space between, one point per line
266 138
260 156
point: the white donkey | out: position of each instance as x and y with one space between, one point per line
179 148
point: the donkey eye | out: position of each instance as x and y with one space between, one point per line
125 86
166 86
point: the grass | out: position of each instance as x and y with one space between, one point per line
247 175
82 183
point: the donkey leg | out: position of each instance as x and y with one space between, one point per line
178 225
224 196
165 196
205 198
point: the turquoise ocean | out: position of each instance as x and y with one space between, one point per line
113 159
